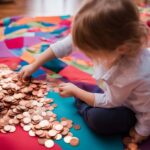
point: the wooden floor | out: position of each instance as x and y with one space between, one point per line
39 8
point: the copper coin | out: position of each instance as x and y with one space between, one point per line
74 141
77 127
41 141
49 143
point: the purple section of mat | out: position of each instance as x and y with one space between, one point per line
30 41
4 52
145 145
79 55
3 46
15 18
89 87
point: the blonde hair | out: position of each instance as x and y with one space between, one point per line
104 25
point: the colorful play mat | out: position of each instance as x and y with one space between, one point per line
24 38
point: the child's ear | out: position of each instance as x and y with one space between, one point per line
123 49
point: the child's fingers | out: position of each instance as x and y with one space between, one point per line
20 74
62 93
62 84
25 75
61 88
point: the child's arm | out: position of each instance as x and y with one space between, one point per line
105 100
58 49
29 69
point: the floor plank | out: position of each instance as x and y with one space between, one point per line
39 8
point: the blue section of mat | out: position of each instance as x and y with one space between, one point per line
88 140
55 65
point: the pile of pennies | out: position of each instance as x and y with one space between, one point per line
24 103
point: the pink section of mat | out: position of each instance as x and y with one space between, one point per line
20 140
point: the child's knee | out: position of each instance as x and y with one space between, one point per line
97 121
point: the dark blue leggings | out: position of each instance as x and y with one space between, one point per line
106 121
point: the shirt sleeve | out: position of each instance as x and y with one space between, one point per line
113 96
63 47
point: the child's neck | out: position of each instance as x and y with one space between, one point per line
107 64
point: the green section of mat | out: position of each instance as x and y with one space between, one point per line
88 140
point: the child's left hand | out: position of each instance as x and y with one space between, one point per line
67 89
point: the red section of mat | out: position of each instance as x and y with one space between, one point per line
20 140
15 43
74 74
11 62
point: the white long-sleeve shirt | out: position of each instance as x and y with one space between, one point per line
125 84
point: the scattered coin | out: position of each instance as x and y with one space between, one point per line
74 141
49 143
58 137
67 139
52 132
7 128
77 127
31 133
41 141
58 127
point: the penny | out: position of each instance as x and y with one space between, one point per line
54 105
12 129
43 114
52 132
7 128
77 127
64 123
58 127
74 141
70 134
39 104
16 121
35 118
3 131
39 132
27 127
26 114
49 113
41 141
19 116
58 137
67 139
26 120
44 123
49 143
31 133
63 119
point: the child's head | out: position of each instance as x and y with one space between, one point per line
104 26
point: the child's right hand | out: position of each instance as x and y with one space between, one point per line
27 71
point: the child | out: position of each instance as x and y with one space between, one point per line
111 34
